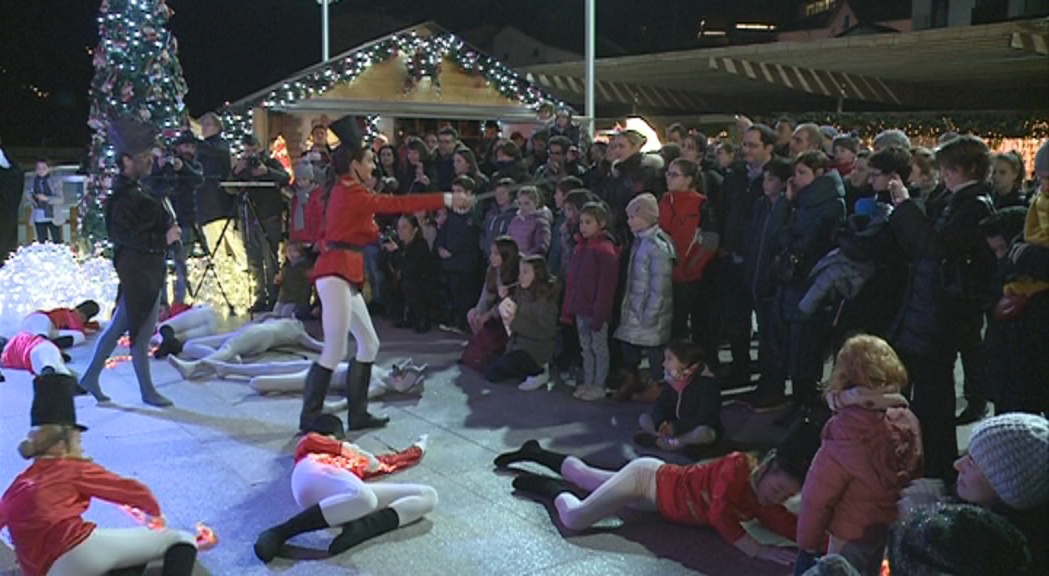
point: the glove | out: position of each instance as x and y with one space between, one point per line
447 199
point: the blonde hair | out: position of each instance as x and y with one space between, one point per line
866 361
43 438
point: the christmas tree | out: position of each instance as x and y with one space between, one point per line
137 75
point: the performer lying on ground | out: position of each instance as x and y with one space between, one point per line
26 351
249 340
42 508
195 322
65 326
723 493
404 378
328 484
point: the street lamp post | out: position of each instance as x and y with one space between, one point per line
324 28
591 30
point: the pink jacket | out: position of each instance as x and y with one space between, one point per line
868 456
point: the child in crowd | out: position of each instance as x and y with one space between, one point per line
500 279
328 484
46 197
567 233
647 310
723 493
64 326
307 206
36 354
590 295
725 153
530 228
418 272
687 413
296 290
556 254
530 316
497 219
871 451
427 227
457 240
42 508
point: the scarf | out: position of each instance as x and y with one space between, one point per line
865 398
680 380
299 217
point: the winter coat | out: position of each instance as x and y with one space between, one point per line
867 457
817 211
689 220
50 211
647 311
514 170
312 215
444 169
213 201
768 219
496 222
735 206
416 264
556 253
531 232
459 235
698 404
638 173
534 327
951 271
835 275
180 187
592 277
268 201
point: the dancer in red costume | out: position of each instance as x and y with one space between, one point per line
66 327
328 484
349 226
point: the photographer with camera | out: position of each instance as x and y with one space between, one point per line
261 213
176 176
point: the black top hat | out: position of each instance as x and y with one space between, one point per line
348 129
131 137
328 425
186 137
53 401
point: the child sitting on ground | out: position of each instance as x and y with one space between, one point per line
530 317
688 412
293 299
723 493
871 450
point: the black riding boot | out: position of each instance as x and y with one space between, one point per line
179 560
358 378
364 528
313 392
269 543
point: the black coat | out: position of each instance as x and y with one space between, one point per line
137 223
734 205
767 220
699 404
460 234
268 201
180 187
213 202
417 265
635 175
951 271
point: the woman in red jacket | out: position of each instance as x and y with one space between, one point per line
339 273
42 508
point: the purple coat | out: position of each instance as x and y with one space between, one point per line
531 232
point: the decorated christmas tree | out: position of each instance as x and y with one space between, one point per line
137 75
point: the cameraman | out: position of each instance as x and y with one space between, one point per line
176 176
261 217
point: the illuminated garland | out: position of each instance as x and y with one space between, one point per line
137 75
423 58
989 125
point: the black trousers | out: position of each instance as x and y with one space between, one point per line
463 290
736 308
514 365
695 315
771 344
48 232
261 240
932 400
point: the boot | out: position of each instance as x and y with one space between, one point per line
169 344
530 451
179 560
129 571
364 528
358 378
269 543
541 486
63 342
313 392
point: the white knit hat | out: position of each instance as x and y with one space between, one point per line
1012 451
644 206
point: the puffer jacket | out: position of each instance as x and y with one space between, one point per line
950 267
531 232
818 210
835 275
647 311
534 327
767 220
591 286
689 220
867 457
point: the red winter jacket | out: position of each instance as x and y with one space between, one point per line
313 218
592 277
680 216
866 459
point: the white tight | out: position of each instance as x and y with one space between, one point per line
196 322
46 354
38 323
111 548
343 311
699 435
634 486
344 497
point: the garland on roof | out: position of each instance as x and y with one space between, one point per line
992 126
423 56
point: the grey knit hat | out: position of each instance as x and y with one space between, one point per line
304 171
1012 451
644 206
1041 159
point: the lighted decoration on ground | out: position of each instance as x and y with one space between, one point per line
206 537
46 276
237 283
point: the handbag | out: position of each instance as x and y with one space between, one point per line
486 345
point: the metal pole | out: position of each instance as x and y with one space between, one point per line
324 30
591 31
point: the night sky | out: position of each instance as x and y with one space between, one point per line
231 48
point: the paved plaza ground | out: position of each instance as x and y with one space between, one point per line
223 456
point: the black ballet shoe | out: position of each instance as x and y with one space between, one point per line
367 421
542 486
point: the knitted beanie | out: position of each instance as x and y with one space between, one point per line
1041 159
304 171
644 206
958 539
848 142
1012 451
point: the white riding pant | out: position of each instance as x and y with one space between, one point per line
343 311
114 548
634 486
46 354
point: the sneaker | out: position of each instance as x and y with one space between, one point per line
590 393
451 328
535 382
